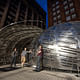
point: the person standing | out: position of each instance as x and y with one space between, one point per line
23 56
39 59
13 57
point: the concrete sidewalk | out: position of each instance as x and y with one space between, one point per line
27 73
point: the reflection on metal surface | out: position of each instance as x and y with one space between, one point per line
19 36
61 44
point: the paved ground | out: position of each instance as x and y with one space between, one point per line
27 73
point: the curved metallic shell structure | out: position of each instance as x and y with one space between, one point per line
18 36
61 44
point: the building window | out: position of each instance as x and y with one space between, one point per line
53 5
54 13
58 11
29 16
57 2
39 23
73 16
54 9
71 4
67 12
72 10
54 18
65 2
68 18
66 7
35 18
59 16
57 7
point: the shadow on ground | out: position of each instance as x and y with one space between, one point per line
6 69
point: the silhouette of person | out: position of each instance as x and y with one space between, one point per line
13 57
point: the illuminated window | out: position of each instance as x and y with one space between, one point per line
57 2
54 18
72 10
68 18
71 4
65 2
58 11
53 5
58 16
66 7
54 9
54 13
67 12
73 16
57 7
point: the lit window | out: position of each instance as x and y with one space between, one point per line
72 10
53 9
57 2
53 5
54 18
54 13
59 16
57 7
66 7
67 12
58 11
68 18
65 2
73 16
71 4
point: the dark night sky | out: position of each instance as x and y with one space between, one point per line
43 4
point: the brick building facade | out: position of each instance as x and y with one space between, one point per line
60 11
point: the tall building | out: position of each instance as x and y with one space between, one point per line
19 10
60 11
21 22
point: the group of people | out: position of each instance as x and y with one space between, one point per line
14 55
39 53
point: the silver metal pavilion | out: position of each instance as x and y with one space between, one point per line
61 44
